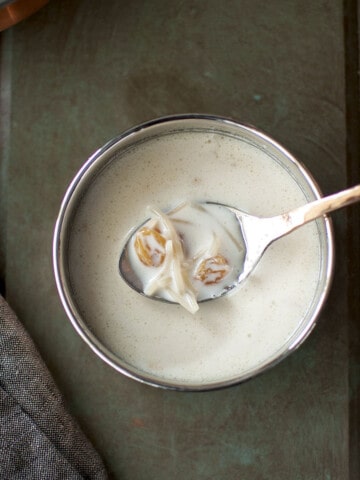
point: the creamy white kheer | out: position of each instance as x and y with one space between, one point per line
227 337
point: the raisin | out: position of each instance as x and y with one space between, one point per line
150 247
212 270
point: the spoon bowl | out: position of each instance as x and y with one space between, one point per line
255 233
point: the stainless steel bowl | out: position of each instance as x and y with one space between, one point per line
112 153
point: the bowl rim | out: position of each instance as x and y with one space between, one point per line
80 326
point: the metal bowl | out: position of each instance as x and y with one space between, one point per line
87 244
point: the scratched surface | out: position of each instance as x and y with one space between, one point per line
80 72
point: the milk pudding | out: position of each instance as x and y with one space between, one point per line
191 253
228 339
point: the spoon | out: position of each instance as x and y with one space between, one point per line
258 233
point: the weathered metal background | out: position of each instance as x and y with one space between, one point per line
76 74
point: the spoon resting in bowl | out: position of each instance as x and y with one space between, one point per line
188 282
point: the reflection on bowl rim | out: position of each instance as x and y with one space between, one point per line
59 244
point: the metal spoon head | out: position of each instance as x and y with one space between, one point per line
135 281
130 277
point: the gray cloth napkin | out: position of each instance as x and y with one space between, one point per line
38 437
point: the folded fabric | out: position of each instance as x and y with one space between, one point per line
39 439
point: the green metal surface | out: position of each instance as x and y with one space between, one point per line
77 74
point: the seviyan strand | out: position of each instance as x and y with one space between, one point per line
182 254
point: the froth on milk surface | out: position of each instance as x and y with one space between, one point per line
226 337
